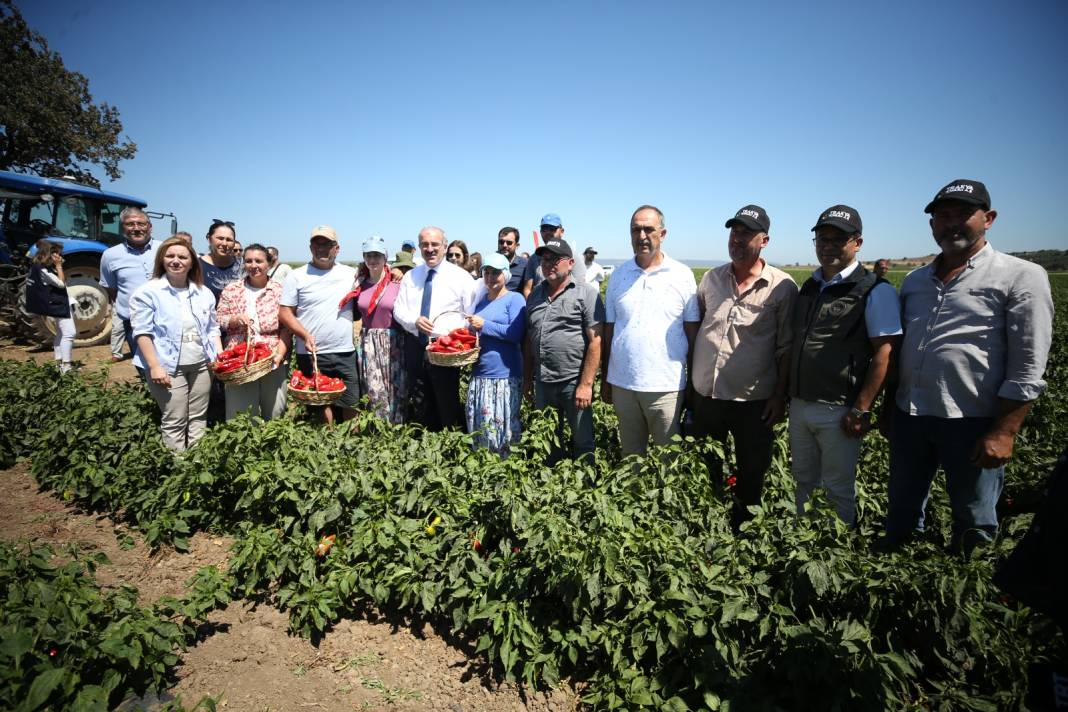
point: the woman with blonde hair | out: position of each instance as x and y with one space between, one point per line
173 319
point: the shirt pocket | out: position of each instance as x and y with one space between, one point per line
748 316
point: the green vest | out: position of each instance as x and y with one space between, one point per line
831 351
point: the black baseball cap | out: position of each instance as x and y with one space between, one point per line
843 217
557 246
753 217
963 190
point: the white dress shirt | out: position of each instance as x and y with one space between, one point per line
453 294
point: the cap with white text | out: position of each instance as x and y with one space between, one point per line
753 217
963 190
557 246
843 217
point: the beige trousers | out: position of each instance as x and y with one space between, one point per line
184 405
265 397
644 414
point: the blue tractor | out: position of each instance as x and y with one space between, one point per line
85 220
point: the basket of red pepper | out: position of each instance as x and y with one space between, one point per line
317 389
457 348
244 364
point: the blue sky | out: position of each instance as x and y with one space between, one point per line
379 118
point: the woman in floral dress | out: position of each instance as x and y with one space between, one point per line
493 396
383 376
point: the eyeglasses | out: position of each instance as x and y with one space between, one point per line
838 241
131 224
217 221
551 258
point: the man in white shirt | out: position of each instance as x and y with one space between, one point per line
433 299
310 308
651 321
594 272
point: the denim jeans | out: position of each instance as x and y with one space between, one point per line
921 443
561 396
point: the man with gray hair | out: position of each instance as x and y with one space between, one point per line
651 320
432 301
128 265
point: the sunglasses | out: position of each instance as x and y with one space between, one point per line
458 255
217 221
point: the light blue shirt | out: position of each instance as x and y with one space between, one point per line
983 336
882 313
157 312
124 269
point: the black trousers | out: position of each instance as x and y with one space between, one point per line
753 441
435 391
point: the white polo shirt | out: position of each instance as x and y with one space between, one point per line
647 310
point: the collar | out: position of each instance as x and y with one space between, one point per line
840 277
192 287
977 258
136 251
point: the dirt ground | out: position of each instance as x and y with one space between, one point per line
250 662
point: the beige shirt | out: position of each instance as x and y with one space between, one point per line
742 336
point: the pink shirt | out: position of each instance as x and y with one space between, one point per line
383 316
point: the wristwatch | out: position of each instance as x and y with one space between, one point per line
862 415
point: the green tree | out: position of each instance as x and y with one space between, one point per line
49 124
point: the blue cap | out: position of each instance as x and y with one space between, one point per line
551 219
497 261
374 244
408 243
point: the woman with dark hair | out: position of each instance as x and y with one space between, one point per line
220 264
250 307
457 253
383 375
474 265
173 317
46 295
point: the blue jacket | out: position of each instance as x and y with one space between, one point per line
155 310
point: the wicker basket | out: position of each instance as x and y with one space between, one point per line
455 360
314 397
247 373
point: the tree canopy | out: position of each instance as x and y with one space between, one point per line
49 124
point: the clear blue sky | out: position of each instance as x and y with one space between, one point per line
379 118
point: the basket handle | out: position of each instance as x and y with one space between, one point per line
250 340
315 372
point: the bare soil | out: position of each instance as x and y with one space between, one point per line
249 661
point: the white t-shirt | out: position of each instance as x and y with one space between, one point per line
647 309
315 295
251 293
594 274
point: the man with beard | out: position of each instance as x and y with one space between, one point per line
978 325
508 245
128 265
741 355
565 318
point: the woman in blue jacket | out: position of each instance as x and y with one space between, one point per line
46 295
493 396
173 318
